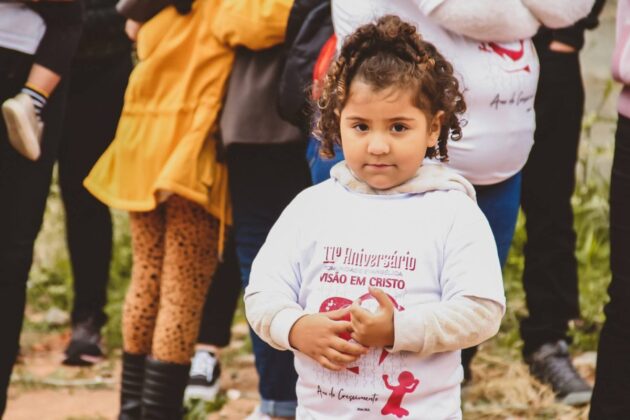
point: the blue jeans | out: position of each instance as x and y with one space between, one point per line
263 180
500 203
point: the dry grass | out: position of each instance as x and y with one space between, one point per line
503 389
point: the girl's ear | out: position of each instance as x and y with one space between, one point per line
435 127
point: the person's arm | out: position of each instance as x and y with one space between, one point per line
271 300
446 326
573 36
472 300
483 20
254 24
559 13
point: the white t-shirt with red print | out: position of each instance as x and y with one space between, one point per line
329 245
498 80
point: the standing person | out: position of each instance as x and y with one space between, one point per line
550 277
612 378
495 59
97 81
387 218
163 168
267 169
215 328
23 113
24 184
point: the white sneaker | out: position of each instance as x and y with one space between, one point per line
23 126
205 372
257 415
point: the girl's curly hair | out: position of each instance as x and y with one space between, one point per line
385 54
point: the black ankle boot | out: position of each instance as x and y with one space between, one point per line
131 386
163 390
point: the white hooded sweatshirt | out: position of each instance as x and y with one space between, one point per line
427 245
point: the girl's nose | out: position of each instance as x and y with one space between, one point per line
378 145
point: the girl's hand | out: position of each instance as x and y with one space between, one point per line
131 29
374 329
317 336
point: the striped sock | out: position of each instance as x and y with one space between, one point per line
39 98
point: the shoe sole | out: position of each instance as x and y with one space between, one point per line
199 392
21 138
575 399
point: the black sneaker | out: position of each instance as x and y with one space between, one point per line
205 371
85 345
551 364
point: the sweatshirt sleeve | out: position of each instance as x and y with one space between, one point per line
483 20
254 24
446 326
271 298
559 13
472 301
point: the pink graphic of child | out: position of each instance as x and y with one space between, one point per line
406 384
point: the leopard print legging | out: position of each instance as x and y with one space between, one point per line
174 258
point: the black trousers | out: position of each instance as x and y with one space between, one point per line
24 188
550 274
95 100
221 300
612 380
23 191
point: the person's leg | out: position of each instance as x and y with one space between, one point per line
263 180
24 189
612 379
190 259
23 113
550 275
500 204
140 307
221 301
141 300
94 105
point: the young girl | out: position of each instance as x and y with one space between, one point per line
396 270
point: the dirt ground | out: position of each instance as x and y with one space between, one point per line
42 388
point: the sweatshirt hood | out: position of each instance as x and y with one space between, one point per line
429 177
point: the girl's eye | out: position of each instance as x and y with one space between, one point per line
361 127
398 128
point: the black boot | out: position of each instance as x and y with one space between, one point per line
131 386
163 391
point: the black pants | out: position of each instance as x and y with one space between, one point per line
23 191
24 188
95 100
223 294
550 275
612 380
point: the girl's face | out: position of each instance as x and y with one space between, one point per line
384 136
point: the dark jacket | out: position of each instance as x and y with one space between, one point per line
308 29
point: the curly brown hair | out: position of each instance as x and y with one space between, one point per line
390 53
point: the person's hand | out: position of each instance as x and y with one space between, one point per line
317 336
374 329
561 47
131 29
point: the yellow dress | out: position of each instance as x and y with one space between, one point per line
164 142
